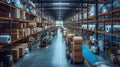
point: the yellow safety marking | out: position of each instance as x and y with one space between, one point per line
47 46
88 65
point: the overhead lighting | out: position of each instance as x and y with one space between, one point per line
60 4
60 8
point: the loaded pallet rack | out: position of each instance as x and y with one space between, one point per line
8 19
104 19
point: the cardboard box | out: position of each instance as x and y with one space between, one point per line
77 40
15 53
15 26
16 13
77 60
77 47
27 31
22 15
38 19
77 54
32 25
25 25
22 33
23 44
13 31
21 50
31 31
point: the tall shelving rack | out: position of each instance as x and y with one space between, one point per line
97 20
8 20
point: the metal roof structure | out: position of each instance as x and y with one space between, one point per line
62 9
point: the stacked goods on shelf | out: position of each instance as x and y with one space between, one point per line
15 54
38 19
19 50
77 49
22 15
69 44
19 30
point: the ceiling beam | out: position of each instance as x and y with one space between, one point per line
72 1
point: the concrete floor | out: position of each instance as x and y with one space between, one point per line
52 56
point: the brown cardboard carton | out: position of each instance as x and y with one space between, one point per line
23 44
21 32
15 53
77 40
77 54
77 47
77 60
32 25
21 50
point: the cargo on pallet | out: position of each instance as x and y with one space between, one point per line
15 53
21 50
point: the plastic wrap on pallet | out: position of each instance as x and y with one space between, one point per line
84 26
101 45
91 27
5 38
116 28
16 3
116 4
7 1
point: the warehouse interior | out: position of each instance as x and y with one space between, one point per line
59 33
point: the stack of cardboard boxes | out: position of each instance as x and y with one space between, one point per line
19 50
77 50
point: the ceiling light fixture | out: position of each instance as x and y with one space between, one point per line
60 4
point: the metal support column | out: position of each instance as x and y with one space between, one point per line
104 30
96 19
87 19
78 18
9 56
82 16
111 22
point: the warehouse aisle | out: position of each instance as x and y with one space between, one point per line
52 56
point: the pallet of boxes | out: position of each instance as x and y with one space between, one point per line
69 44
77 56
